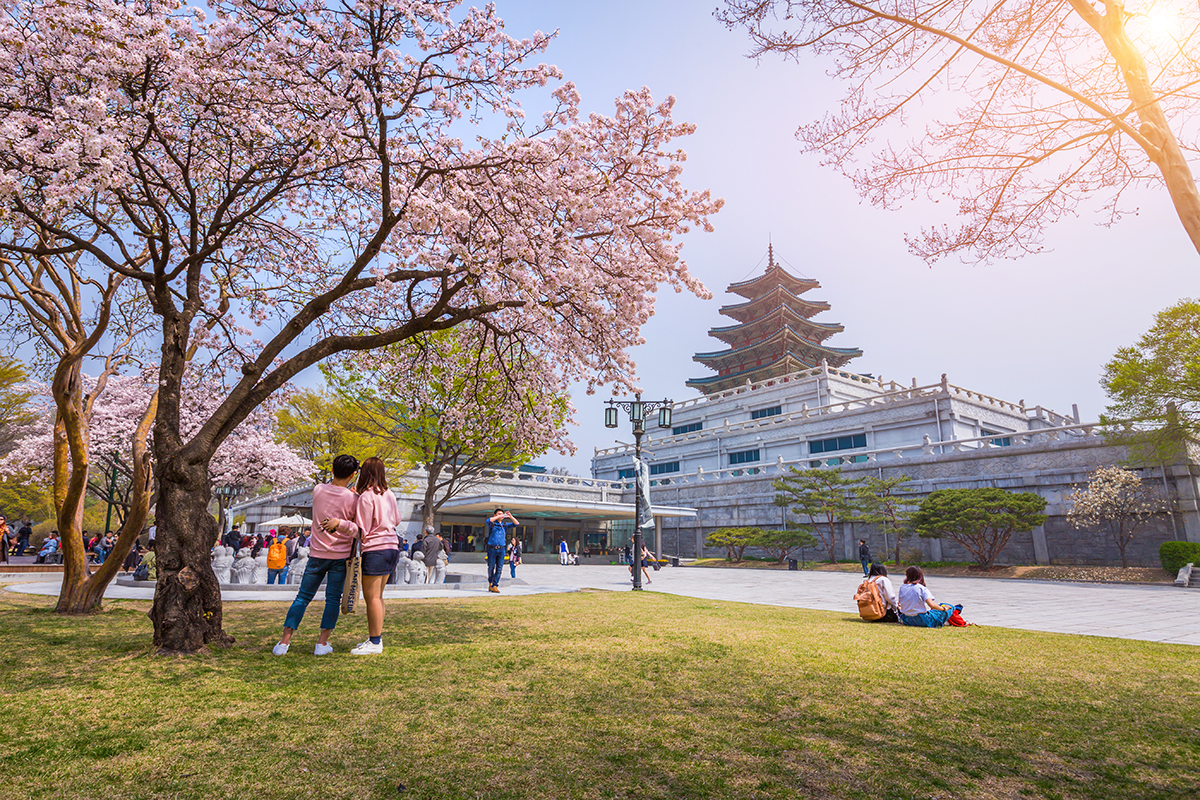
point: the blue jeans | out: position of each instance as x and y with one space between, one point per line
334 570
495 564
866 565
933 618
512 567
273 573
101 554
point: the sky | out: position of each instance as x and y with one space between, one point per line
1038 329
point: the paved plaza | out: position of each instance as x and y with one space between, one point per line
1154 613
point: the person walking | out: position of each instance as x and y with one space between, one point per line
431 549
378 516
864 555
277 561
23 534
499 526
514 555
333 531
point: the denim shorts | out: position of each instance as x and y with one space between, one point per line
380 562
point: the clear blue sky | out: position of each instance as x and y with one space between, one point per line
1037 329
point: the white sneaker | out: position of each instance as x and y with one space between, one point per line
367 649
280 649
322 649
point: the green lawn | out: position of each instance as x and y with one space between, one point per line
590 695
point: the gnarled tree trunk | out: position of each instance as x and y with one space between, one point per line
187 599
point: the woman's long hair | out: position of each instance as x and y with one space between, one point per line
914 575
372 475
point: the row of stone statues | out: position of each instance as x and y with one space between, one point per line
244 569
413 571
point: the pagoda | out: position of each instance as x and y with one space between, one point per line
774 335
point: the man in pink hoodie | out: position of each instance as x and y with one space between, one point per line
329 547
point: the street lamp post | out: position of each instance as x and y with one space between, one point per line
637 410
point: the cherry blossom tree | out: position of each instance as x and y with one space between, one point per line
249 457
68 314
458 403
1117 501
303 168
1017 111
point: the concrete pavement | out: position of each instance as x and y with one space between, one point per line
1154 613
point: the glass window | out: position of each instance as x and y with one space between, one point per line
689 428
659 469
626 473
743 457
1001 442
851 442
759 413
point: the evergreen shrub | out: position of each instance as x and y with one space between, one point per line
1175 555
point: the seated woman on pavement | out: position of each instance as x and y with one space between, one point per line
917 606
879 576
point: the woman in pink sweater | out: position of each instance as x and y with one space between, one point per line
333 533
377 517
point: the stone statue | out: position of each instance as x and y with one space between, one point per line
416 571
223 563
243 567
439 571
401 573
259 575
298 566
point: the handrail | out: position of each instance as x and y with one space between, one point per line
1078 431
942 388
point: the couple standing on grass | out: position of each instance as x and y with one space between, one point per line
343 519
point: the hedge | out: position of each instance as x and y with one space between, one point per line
1175 555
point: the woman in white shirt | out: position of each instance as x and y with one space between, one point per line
917 606
879 576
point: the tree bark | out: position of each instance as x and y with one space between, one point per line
82 593
1164 150
187 599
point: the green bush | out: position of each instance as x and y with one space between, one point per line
1174 555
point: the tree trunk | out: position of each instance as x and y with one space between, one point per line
1163 150
82 593
186 613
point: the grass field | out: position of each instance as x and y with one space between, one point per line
590 695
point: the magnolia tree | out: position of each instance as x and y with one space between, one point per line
305 168
458 403
1117 501
1023 110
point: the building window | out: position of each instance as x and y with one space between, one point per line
689 428
743 457
773 411
851 442
660 469
1001 442
622 474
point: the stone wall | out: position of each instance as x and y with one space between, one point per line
1050 469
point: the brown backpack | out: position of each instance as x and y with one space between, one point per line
870 601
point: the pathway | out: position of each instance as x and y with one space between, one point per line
1155 613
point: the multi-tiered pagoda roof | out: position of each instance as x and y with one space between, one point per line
774 335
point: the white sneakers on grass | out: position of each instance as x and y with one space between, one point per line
281 649
367 649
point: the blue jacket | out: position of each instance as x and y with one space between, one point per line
498 533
